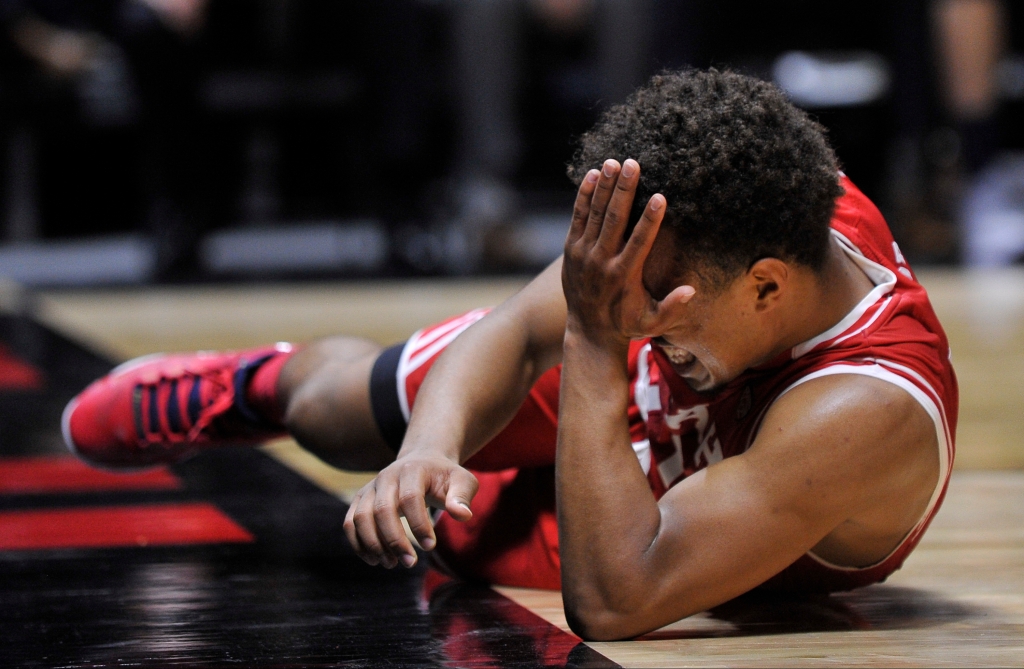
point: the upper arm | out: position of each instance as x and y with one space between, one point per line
827 451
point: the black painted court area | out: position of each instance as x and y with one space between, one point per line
229 559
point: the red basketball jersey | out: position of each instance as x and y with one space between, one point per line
892 334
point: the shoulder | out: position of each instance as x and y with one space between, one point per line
843 397
851 434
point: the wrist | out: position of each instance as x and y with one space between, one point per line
593 340
425 438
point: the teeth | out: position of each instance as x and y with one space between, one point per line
677 355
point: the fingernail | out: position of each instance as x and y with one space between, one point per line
592 176
627 169
609 170
656 202
408 560
428 544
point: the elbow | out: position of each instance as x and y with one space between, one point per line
594 630
601 623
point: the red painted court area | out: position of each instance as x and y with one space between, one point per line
62 474
113 526
16 374
103 526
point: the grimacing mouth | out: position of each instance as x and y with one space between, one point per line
675 355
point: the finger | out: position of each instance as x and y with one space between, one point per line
600 199
462 487
621 203
390 531
369 548
350 524
639 244
581 209
412 501
353 523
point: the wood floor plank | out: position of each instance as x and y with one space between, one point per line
131 322
982 312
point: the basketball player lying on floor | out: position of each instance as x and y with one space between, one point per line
731 379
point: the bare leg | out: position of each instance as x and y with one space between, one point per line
325 389
971 39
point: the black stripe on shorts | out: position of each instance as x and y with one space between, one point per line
387 410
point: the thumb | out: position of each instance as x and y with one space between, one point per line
669 309
462 487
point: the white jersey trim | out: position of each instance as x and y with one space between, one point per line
641 395
422 347
884 280
643 454
930 400
402 373
646 397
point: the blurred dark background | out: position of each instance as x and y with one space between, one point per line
198 140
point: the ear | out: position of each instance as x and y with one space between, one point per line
769 279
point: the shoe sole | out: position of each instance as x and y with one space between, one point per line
65 426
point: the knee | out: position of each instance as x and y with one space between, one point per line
317 422
302 376
328 408
300 411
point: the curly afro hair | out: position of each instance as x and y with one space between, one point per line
746 174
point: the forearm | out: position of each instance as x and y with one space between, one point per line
478 384
608 517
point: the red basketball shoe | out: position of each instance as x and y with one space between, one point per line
162 408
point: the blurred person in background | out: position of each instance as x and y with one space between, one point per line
980 182
115 63
971 39
941 152
526 74
491 40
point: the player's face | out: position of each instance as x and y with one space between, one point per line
717 338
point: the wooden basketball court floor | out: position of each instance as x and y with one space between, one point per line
236 557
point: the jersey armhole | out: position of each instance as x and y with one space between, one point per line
925 395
